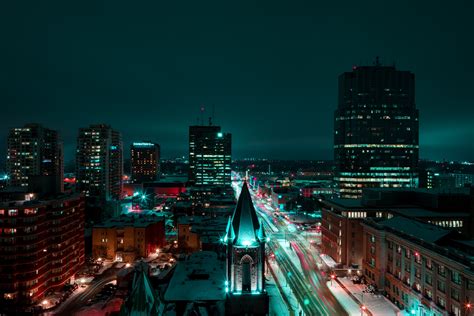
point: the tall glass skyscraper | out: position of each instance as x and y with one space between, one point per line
209 156
375 130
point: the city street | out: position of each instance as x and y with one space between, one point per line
77 301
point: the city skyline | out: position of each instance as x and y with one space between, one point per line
237 158
148 75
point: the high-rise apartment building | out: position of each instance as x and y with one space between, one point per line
145 161
376 130
99 163
34 150
209 156
41 249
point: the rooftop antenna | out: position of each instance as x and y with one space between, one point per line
377 61
213 112
202 114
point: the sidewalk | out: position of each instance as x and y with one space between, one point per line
277 302
351 307
344 289
285 290
292 255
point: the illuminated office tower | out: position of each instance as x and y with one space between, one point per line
376 130
99 163
145 161
209 156
34 150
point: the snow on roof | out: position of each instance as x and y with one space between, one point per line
422 212
423 231
128 220
200 278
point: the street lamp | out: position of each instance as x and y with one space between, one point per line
333 277
363 308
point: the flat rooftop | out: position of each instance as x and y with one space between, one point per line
200 278
131 219
421 231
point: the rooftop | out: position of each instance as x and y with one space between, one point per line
200 278
422 231
131 219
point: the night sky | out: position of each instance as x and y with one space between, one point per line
270 69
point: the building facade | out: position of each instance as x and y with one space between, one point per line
99 163
34 150
127 238
341 222
41 246
145 161
422 268
375 130
210 156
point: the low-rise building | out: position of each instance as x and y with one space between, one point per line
198 279
128 237
423 268
196 233
280 196
341 218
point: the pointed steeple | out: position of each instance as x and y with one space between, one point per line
143 299
245 224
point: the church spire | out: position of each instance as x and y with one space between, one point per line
245 224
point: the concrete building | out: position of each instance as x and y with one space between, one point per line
422 268
281 195
99 163
341 218
34 150
197 233
128 237
145 161
41 246
375 130
198 285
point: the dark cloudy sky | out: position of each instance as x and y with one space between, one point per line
269 67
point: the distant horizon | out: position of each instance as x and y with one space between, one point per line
267 72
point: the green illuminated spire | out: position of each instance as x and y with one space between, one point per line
245 224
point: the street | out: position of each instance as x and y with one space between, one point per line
77 301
